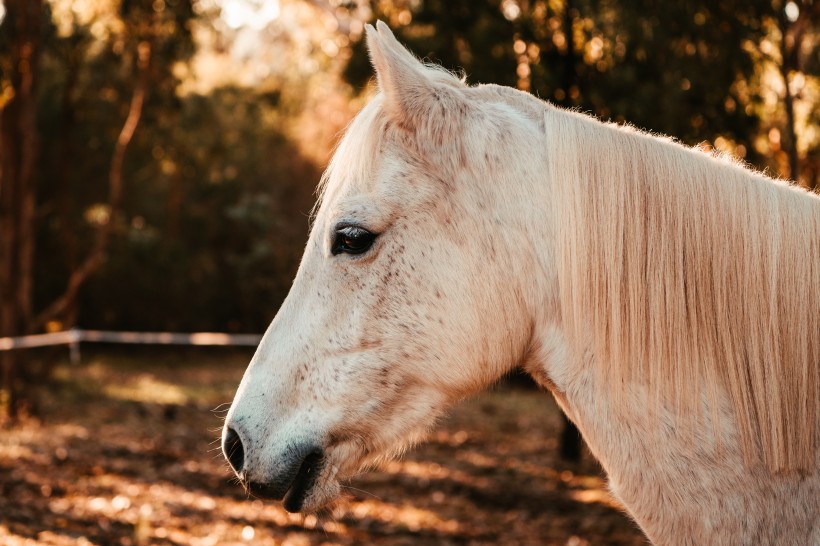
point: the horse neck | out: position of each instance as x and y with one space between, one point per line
637 440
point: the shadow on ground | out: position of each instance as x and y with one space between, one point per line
125 453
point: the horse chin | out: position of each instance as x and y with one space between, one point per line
324 488
342 460
321 494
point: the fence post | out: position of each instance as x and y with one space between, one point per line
74 346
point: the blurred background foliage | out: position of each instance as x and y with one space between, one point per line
158 157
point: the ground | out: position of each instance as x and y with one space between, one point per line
124 451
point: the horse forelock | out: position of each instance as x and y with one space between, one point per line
357 153
436 146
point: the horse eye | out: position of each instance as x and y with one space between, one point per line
352 240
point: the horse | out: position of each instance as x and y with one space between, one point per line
661 293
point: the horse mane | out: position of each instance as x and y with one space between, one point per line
686 270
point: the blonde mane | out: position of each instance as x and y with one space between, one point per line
689 270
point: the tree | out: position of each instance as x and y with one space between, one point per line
694 70
22 32
145 28
797 29
65 302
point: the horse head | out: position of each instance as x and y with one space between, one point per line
404 301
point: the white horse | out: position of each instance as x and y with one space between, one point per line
667 297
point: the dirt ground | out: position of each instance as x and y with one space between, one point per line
124 451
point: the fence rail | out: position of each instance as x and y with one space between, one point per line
40 340
74 337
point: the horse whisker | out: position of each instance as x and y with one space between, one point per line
368 493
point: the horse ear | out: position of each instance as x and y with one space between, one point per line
402 78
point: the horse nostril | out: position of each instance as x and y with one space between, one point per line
233 450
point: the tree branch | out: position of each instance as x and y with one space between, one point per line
115 183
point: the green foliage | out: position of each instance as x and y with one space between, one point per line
464 36
667 67
692 70
218 219
214 213
216 195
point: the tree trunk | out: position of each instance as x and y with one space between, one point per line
570 73
788 60
792 38
18 157
65 201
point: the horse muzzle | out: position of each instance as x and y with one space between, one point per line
291 479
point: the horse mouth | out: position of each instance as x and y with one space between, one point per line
292 494
303 482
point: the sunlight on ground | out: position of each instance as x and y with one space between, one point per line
108 464
170 385
584 488
408 516
147 388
